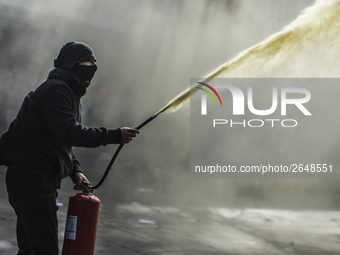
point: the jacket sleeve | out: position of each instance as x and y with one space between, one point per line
59 113
76 165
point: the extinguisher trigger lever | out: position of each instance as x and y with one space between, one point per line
87 187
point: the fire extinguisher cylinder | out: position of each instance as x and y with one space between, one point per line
81 224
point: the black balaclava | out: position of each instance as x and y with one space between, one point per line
67 67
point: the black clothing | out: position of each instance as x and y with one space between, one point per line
41 137
33 199
78 87
85 73
72 53
67 66
38 147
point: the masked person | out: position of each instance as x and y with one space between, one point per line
38 147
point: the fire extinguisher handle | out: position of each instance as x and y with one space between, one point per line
85 183
91 188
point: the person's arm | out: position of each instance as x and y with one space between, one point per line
77 175
76 165
58 111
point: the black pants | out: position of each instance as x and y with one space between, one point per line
33 199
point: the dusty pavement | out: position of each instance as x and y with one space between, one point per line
128 226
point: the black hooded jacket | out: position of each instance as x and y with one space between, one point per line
47 126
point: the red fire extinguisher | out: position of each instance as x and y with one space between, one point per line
81 224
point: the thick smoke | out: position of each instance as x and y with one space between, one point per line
147 52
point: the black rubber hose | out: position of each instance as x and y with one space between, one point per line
91 188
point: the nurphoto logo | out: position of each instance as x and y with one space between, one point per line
238 104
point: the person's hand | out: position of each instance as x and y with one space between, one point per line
128 134
80 181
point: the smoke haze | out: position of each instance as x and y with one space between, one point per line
147 52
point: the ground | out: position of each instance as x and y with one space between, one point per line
130 226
